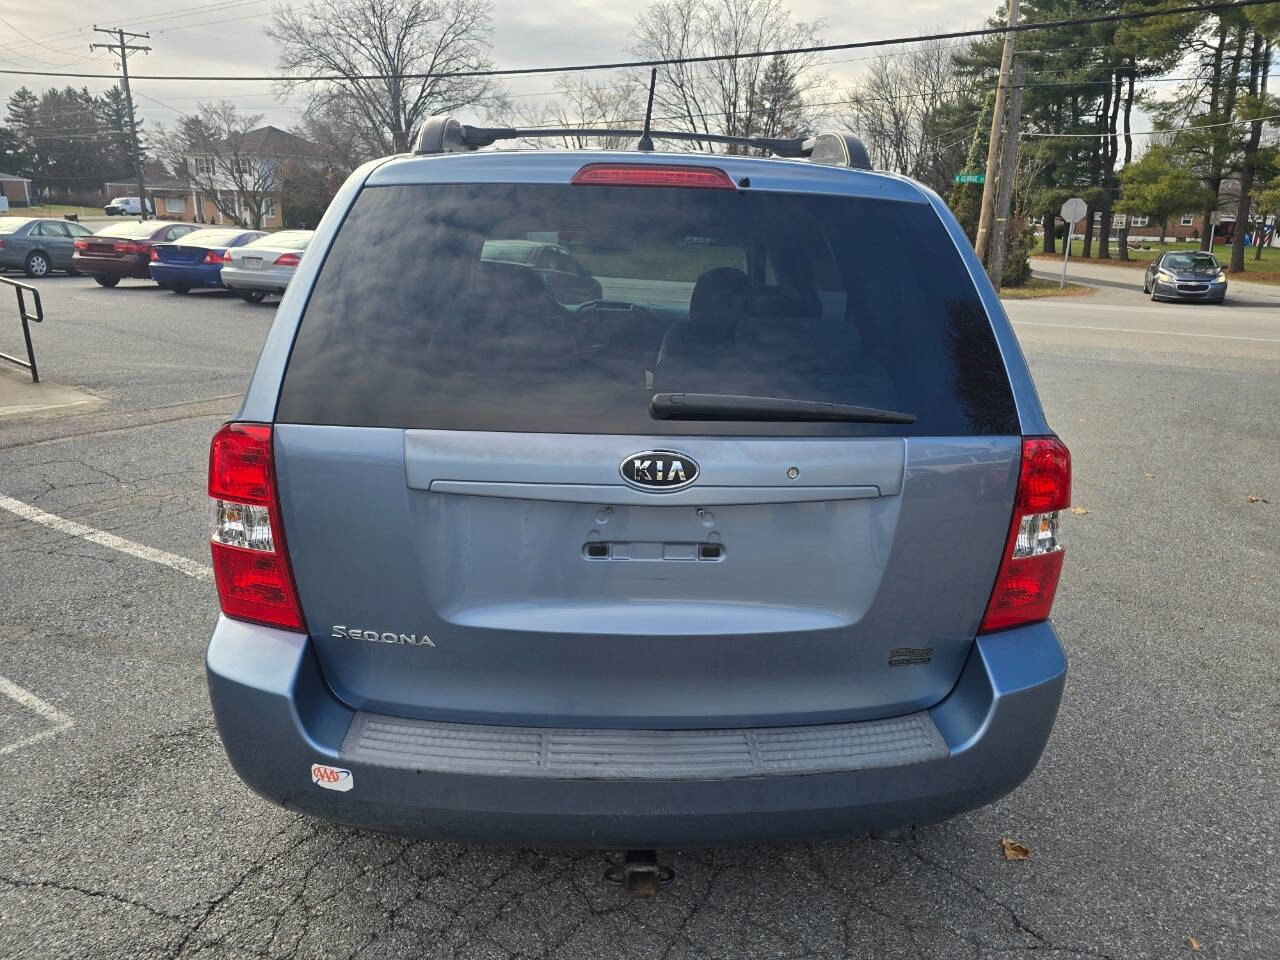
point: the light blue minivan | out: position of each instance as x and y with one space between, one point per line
760 544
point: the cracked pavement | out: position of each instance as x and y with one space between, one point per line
1151 819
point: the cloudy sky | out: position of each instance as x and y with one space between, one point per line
224 37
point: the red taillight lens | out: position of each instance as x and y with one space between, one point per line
155 254
250 562
653 175
214 256
81 243
128 246
1032 561
288 260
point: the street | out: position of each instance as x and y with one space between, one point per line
1151 819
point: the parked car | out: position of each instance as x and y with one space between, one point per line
124 249
567 279
38 245
127 207
773 563
196 259
265 265
1185 275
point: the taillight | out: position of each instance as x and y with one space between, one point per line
1 244
81 244
1032 560
155 253
653 175
288 260
250 562
214 256
128 246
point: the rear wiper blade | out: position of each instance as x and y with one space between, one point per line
729 406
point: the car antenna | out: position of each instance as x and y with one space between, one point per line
646 141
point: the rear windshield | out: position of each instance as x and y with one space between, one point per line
563 309
285 239
132 230
209 238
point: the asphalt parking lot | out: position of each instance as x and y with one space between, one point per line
1152 821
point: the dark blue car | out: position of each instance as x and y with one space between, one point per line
196 260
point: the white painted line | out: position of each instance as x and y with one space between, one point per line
49 712
171 560
1166 333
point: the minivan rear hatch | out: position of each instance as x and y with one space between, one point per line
497 513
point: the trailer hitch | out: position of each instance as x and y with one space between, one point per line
639 874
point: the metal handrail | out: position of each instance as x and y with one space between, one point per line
26 318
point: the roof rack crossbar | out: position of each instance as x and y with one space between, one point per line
442 134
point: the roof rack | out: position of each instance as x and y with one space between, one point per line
442 134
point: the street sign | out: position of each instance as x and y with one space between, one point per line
1071 212
971 178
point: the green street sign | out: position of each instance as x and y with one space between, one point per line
971 178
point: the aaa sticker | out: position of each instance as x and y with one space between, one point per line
331 778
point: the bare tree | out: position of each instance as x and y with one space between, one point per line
400 42
899 107
583 102
227 158
725 96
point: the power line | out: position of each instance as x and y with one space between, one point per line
1152 133
1199 9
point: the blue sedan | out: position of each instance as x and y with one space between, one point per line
196 260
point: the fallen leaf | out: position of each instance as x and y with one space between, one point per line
1079 511
1195 944
1151 476
1013 850
1254 498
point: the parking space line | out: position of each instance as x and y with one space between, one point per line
49 712
191 568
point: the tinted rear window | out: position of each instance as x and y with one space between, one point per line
131 230
209 238
632 291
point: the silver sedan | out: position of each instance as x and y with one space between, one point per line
266 265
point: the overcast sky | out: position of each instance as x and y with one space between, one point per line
224 37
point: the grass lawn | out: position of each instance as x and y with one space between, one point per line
1266 270
54 210
1035 288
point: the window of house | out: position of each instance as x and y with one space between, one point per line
175 204
1139 220
1187 219
268 208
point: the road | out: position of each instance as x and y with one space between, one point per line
1151 819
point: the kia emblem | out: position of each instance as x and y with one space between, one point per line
659 471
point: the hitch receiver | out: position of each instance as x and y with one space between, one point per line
640 874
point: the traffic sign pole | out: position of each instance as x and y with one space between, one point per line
1071 229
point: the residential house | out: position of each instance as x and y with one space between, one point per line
177 198
17 190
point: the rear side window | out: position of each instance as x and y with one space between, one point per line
424 316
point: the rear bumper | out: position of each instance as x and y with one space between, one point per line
269 279
277 717
131 266
192 276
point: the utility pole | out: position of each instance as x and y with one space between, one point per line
1008 173
122 50
987 216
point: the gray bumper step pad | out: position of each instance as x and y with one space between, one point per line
600 754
